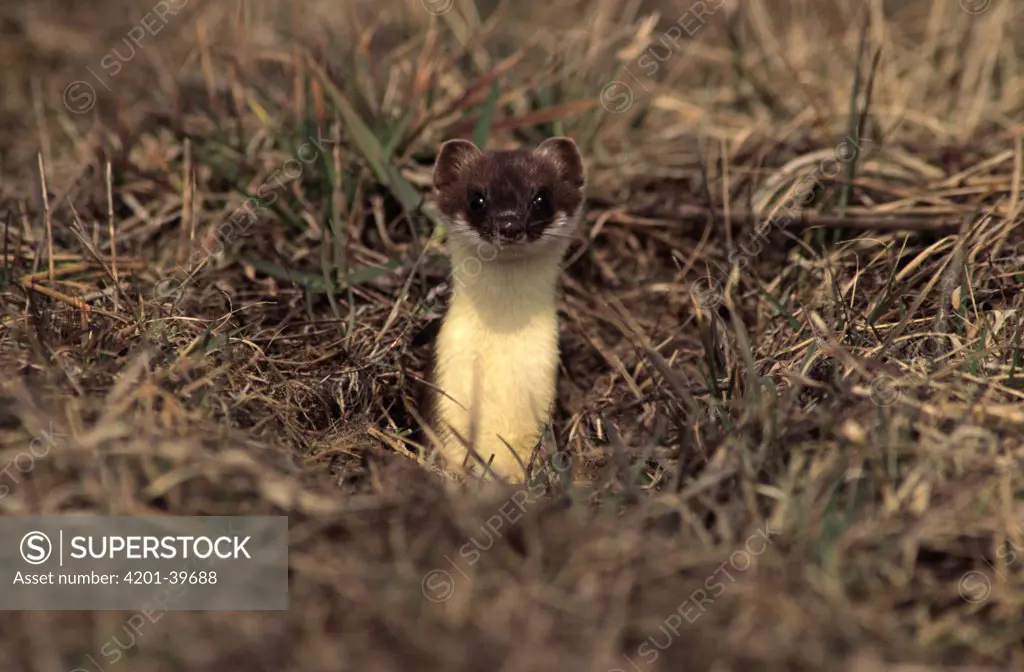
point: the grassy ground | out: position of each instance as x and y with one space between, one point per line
791 392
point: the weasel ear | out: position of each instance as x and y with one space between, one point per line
564 153
452 158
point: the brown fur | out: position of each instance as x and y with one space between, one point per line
509 179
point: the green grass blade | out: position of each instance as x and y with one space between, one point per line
370 146
483 125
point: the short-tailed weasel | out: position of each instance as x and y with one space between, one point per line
510 217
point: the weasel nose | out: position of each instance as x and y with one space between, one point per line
510 227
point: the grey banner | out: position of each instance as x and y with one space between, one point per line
155 563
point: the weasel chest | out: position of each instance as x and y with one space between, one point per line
504 379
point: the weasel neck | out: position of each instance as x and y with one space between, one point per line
505 294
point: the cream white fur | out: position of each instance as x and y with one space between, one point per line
497 349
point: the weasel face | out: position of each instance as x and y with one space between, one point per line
510 202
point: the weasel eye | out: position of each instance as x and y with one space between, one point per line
541 203
477 202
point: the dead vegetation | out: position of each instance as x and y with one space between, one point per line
791 387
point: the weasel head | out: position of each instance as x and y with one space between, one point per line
510 204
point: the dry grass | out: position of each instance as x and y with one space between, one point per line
848 386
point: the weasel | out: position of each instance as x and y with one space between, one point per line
510 216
